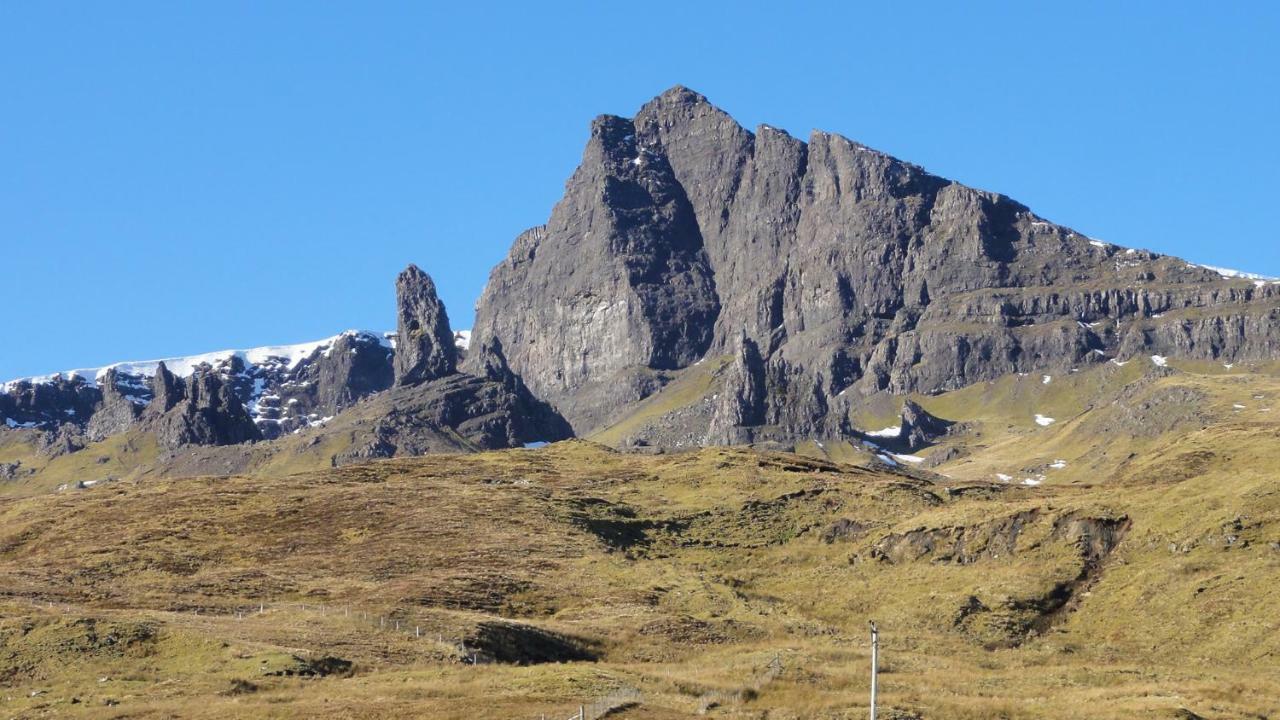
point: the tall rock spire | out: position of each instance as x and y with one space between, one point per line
424 342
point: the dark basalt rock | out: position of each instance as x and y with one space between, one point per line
49 404
424 343
853 273
123 401
919 428
742 403
201 410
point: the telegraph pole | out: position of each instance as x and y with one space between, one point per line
875 666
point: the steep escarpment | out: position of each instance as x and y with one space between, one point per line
354 392
852 272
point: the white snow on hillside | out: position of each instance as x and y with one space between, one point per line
889 432
1043 421
184 366
462 339
1237 274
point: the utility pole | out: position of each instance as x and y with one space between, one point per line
875 666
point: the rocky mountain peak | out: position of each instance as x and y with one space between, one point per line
852 272
424 342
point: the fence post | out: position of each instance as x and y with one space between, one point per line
875 666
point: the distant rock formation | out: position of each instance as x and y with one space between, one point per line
425 347
200 410
852 272
919 428
788 282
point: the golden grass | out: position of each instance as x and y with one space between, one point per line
687 574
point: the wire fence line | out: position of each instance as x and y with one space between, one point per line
614 701
631 697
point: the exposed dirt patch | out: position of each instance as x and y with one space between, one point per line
962 544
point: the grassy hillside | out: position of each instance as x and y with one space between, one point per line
724 581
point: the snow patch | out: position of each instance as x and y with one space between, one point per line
1160 360
889 432
1043 421
184 366
1003 478
1058 464
462 339
1047 379
1236 274
909 458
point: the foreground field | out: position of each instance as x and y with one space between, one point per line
724 582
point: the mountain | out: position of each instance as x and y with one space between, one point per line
278 389
1041 463
698 284
683 238
394 394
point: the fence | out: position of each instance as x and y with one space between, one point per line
617 700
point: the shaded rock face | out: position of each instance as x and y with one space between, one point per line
741 404
332 379
49 404
919 428
425 346
852 272
200 410
618 278
123 400
281 394
484 414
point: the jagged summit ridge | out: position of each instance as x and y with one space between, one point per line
853 272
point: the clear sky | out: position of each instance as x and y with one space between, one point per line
177 179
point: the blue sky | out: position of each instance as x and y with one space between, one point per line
184 179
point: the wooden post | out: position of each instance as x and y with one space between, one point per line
875 667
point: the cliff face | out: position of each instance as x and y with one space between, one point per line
805 277
852 272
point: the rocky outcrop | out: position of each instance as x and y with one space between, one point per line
48 403
424 343
123 400
618 278
740 406
919 428
854 273
200 410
